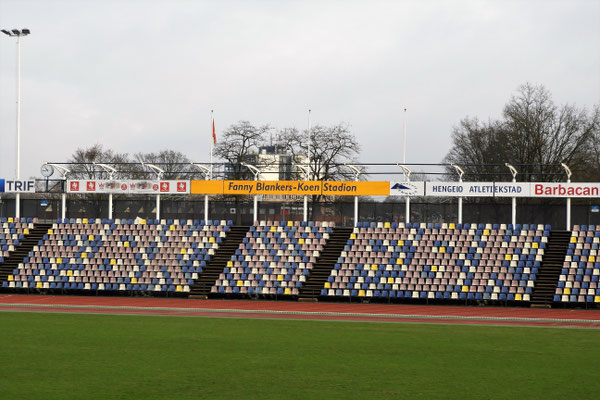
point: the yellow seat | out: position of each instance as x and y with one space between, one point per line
182 251
211 240
374 267
172 227
288 291
567 291
442 249
273 229
534 245
573 239
352 236
240 283
518 297
50 231
280 278
390 280
597 299
434 268
452 226
113 261
143 222
178 288
10 219
38 285
327 285
361 293
290 223
592 259
387 225
10 277
133 280
125 244
465 289
69 273
300 241
91 237
83 255
59 260
486 232
507 257
400 242
25 231
230 264
85 220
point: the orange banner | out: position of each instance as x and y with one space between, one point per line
340 188
327 188
206 187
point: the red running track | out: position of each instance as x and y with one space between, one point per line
311 311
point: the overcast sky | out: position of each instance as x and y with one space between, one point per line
142 76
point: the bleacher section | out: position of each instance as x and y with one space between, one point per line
439 261
120 255
578 281
274 258
11 232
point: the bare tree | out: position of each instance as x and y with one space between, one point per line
84 159
534 134
237 143
175 164
330 148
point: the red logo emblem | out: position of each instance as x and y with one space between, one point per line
75 186
155 187
124 187
164 186
91 186
181 187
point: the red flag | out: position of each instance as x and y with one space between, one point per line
214 134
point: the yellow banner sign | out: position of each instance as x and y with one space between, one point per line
326 188
339 188
206 187
272 187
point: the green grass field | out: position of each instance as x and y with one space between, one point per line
63 356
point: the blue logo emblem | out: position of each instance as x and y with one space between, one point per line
399 186
1 185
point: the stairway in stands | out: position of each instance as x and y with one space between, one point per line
25 246
311 289
218 262
549 271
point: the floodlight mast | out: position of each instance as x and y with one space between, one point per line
207 175
357 173
407 171
569 174
256 173
514 173
460 173
63 171
159 173
18 33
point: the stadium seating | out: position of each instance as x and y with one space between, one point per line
274 258
439 261
120 255
578 281
13 230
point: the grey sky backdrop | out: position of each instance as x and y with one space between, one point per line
142 76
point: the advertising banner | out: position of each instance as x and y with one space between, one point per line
575 190
17 186
350 188
128 186
272 187
407 188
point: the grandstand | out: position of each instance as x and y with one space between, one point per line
433 263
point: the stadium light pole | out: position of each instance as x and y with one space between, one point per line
256 173
404 138
18 33
159 172
63 171
357 173
111 171
407 173
207 174
460 173
514 172
306 171
569 174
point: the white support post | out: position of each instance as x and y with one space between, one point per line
111 171
460 173
513 171
158 206
63 208
205 208
357 173
407 173
256 173
110 206
568 172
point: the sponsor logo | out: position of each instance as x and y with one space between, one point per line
74 186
